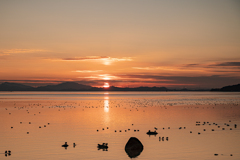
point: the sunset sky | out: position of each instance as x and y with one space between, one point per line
126 43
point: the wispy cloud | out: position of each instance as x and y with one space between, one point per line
154 68
103 77
14 51
87 71
232 64
84 58
4 54
102 59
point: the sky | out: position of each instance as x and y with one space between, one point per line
127 43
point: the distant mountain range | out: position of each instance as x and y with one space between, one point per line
66 86
73 86
233 88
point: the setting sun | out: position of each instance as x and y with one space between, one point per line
106 85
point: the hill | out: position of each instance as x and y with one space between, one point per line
6 86
232 88
66 86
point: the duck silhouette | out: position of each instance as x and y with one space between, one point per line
65 145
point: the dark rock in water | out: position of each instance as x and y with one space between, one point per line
133 147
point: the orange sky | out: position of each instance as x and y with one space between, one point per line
193 44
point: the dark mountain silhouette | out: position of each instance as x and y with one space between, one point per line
233 88
112 88
66 86
6 86
73 86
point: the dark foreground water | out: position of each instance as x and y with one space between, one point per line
199 125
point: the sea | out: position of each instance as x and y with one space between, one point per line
184 125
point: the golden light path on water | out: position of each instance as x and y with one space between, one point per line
106 103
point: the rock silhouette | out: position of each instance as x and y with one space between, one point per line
133 147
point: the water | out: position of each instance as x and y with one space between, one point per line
75 117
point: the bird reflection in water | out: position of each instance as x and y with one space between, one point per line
103 146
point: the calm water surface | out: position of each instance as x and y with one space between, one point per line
35 125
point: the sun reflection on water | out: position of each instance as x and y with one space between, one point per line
106 104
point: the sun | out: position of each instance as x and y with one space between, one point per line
106 85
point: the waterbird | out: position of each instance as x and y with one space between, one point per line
103 146
65 145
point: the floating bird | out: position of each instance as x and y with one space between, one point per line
151 133
103 146
65 145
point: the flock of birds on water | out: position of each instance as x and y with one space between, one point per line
134 106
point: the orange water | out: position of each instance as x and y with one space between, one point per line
75 117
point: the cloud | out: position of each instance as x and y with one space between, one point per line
4 54
87 71
14 51
102 59
84 58
213 81
232 64
103 77
191 65
154 68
